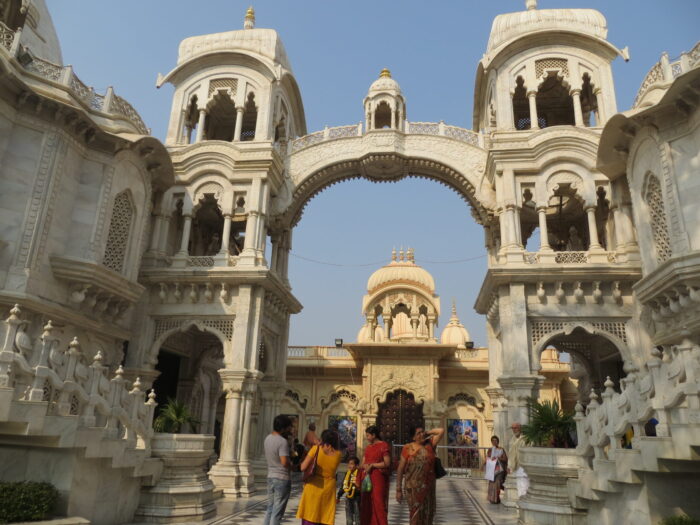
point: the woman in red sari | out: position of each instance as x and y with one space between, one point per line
417 472
374 505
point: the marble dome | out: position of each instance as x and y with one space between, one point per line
401 270
455 333
384 84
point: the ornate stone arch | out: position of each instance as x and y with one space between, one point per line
342 394
542 332
296 398
403 381
221 328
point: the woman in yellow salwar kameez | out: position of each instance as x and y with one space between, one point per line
317 505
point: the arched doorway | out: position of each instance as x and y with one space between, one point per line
396 415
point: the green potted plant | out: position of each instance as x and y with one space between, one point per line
173 417
550 461
549 425
184 492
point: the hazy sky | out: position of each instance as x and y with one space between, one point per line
337 49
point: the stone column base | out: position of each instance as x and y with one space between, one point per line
225 477
246 480
510 498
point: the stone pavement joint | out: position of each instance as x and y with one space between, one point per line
459 502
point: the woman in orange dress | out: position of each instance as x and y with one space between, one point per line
374 505
417 472
317 505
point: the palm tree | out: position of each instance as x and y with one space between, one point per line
549 425
173 417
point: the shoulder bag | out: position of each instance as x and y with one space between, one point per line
311 469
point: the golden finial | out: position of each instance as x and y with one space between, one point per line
385 73
249 18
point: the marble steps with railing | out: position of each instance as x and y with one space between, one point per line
655 455
28 421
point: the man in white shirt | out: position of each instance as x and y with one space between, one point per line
279 483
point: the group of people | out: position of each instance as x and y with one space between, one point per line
365 484
499 464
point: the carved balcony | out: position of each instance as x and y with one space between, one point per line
95 288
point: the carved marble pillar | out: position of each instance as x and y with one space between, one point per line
239 124
200 125
247 478
186 231
224 474
226 235
578 113
532 99
592 229
544 234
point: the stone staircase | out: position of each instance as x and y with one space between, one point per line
614 481
52 399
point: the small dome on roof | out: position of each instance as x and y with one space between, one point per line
384 84
401 270
363 336
455 333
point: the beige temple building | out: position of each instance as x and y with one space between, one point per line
133 269
399 373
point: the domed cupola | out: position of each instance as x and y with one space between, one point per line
401 305
455 333
403 270
385 106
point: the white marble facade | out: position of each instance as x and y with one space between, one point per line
139 248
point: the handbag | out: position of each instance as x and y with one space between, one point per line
367 484
440 471
311 469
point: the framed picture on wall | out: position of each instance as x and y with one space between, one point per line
462 432
346 426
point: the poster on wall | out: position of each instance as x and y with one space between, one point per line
462 437
295 425
346 426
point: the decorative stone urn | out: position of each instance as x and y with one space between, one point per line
547 498
184 491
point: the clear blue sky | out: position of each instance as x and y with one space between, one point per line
337 48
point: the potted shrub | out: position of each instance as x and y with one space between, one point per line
184 491
549 425
550 461
26 501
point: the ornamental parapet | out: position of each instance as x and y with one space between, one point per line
108 105
410 128
664 72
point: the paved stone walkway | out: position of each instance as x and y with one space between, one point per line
459 502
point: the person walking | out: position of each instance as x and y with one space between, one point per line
374 505
521 480
351 491
496 462
415 476
317 505
279 483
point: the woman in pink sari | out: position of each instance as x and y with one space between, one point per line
374 505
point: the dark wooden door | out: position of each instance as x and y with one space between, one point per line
397 415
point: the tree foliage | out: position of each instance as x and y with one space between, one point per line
549 425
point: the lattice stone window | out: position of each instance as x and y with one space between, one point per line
549 64
119 230
657 213
223 83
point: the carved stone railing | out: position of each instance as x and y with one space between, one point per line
666 70
61 380
664 384
200 261
110 103
411 128
7 36
567 257
319 352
